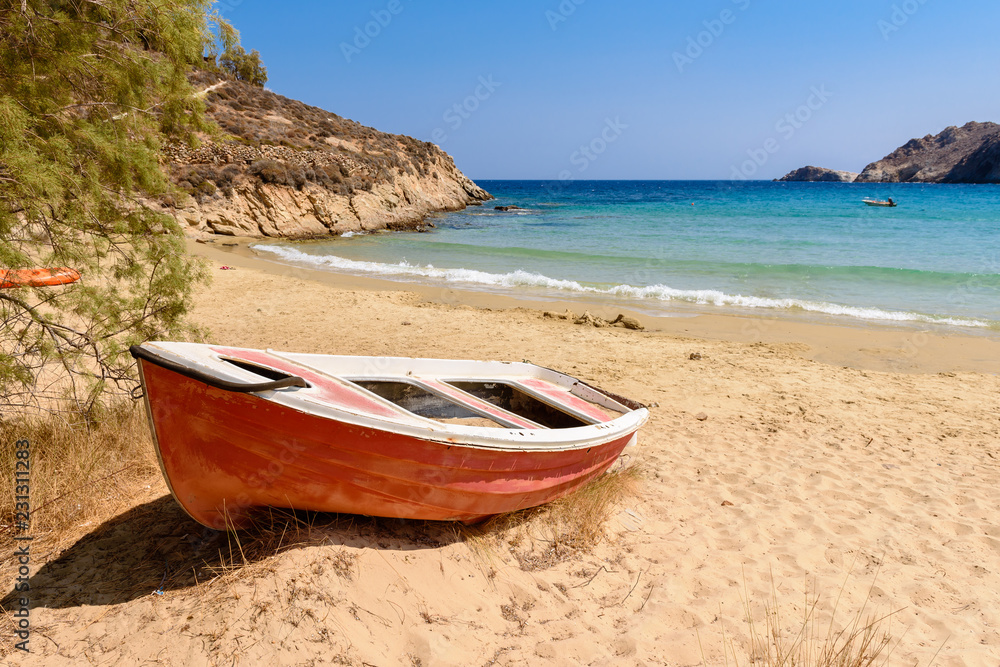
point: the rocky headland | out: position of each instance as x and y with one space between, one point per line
819 174
281 168
967 154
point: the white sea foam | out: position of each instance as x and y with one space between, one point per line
521 278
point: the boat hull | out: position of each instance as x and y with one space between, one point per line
223 453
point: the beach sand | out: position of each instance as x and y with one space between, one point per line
787 461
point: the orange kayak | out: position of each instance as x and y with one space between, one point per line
37 277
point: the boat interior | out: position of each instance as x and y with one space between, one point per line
521 400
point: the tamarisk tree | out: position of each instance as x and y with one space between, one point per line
89 90
243 66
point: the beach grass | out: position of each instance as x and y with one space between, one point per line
814 636
540 537
80 471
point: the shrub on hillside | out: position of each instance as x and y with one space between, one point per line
227 175
244 66
270 171
204 190
279 173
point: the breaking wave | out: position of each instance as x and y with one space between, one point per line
521 279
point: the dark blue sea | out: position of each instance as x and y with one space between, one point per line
682 247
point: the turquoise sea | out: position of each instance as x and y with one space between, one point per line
682 247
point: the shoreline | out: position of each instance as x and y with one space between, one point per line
872 346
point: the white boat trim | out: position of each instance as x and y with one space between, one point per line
206 360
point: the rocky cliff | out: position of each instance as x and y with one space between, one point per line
280 168
967 154
980 166
819 174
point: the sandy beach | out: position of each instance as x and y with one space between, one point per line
784 461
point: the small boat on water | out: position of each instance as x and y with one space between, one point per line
436 439
11 278
879 202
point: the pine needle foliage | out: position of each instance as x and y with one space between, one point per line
89 90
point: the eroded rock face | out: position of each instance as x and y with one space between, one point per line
258 209
980 166
281 168
967 154
820 174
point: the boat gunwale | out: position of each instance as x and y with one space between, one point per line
414 426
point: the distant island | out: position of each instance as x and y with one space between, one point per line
967 154
820 174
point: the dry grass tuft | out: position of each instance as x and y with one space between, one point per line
271 531
540 537
79 472
862 641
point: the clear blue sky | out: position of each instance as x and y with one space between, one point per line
863 77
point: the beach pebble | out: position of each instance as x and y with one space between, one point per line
694 356
701 416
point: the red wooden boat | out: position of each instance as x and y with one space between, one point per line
37 277
395 437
